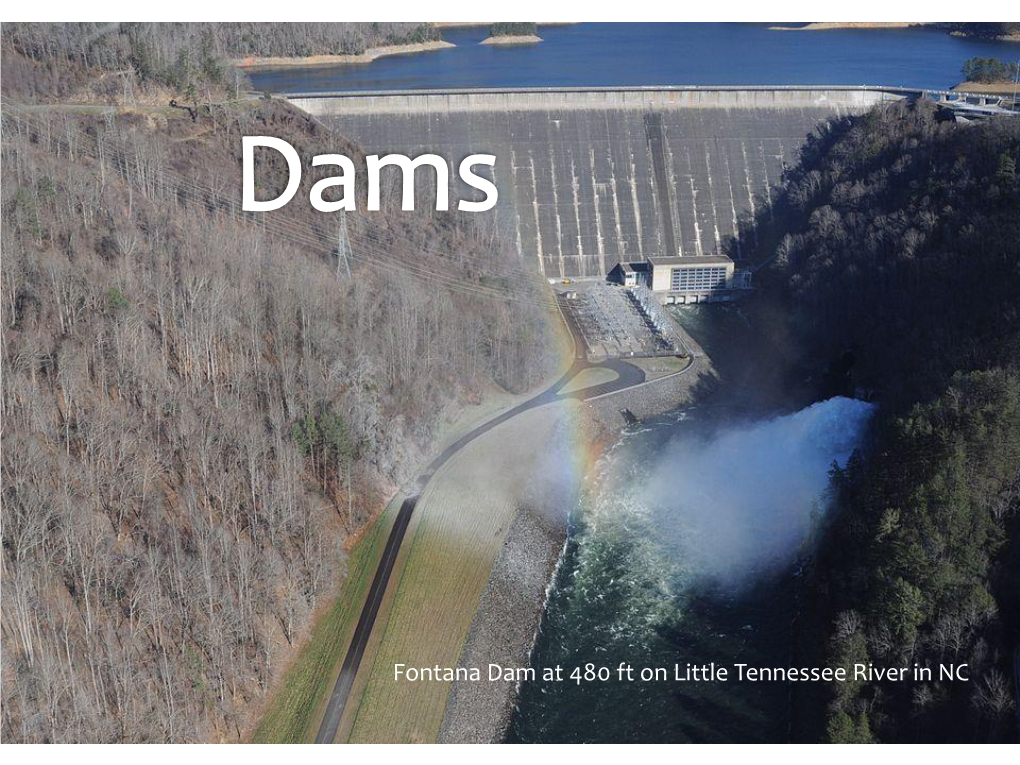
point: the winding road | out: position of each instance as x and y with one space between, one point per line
628 376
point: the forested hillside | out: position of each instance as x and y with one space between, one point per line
132 62
987 29
897 264
200 408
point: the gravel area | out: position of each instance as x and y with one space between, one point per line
504 627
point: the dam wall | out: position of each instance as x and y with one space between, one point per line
591 177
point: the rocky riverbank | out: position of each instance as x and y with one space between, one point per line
513 604
504 627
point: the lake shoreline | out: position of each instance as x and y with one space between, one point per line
822 26
265 63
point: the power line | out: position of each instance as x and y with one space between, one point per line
285 229
343 246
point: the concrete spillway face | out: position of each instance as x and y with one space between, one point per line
590 178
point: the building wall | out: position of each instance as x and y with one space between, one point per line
663 279
661 276
699 278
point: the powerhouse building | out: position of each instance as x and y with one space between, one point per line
694 279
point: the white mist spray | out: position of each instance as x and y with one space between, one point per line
740 504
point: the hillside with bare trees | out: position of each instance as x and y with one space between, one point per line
201 407
131 62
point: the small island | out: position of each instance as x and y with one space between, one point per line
512 33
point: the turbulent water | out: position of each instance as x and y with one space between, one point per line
684 550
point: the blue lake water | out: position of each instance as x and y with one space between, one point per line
663 54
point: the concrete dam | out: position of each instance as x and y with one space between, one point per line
591 177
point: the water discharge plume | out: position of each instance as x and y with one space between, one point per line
669 562
741 502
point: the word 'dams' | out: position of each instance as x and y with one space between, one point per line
344 181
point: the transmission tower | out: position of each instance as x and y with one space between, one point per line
344 254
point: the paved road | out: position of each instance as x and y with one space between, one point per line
628 376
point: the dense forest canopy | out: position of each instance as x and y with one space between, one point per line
896 236
990 70
513 28
896 262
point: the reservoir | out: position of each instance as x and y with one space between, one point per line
662 54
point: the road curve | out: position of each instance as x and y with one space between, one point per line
627 376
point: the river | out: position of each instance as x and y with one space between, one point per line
662 54
685 547
686 550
